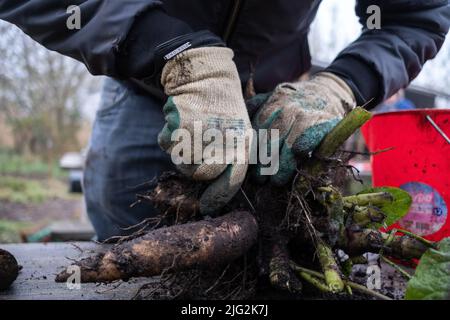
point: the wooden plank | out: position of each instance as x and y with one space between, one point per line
41 263
67 230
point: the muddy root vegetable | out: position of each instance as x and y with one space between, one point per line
9 269
206 243
175 197
281 275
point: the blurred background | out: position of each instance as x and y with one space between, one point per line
47 106
48 103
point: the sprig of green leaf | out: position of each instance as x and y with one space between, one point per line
431 280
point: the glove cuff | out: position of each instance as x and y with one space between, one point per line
198 66
169 50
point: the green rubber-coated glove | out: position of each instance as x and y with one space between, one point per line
304 112
203 86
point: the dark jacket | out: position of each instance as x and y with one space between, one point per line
119 38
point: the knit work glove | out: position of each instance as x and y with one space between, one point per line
304 113
203 86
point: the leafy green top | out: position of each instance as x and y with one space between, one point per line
431 280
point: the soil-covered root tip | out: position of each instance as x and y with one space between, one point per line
175 196
205 243
281 275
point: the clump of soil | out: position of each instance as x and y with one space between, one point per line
9 269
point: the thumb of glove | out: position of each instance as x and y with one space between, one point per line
223 189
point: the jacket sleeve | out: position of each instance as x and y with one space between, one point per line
105 25
382 61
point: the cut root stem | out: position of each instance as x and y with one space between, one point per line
330 268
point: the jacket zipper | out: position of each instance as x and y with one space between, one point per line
232 20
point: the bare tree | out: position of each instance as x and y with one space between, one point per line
39 94
336 26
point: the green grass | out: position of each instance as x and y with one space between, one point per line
10 231
30 192
22 190
14 164
30 181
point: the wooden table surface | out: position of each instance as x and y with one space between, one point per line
41 263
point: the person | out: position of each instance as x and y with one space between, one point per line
173 62
397 102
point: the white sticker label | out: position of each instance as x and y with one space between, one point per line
428 210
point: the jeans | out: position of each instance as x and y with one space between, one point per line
123 158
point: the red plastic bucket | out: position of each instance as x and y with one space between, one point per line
418 163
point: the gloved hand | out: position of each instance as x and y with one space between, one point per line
203 85
304 113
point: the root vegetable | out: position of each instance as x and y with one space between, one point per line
281 275
206 243
175 197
